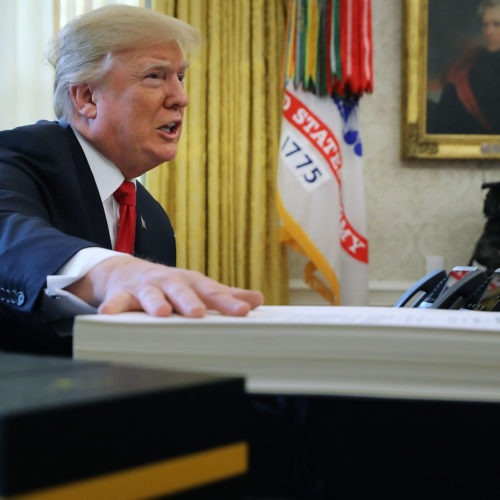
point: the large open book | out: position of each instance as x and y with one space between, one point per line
365 351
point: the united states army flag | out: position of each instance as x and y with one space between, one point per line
321 193
327 68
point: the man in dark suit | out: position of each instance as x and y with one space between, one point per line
119 100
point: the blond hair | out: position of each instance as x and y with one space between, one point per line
82 51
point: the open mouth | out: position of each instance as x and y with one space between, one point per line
170 128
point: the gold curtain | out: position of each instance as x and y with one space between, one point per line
220 191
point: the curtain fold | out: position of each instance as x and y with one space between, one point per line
220 191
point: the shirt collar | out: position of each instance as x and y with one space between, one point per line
106 174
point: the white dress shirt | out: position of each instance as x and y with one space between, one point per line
58 302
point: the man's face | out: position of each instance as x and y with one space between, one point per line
140 107
491 28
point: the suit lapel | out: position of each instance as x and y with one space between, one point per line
154 236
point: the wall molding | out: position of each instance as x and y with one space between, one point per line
381 293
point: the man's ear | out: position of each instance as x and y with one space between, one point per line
83 100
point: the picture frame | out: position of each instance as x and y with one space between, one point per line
433 38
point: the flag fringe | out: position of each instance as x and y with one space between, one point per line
329 47
291 234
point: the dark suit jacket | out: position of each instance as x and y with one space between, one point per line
49 210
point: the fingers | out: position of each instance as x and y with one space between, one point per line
155 302
149 299
253 297
160 291
227 304
233 301
185 300
120 302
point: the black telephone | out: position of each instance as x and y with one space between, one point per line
465 287
426 288
489 299
464 292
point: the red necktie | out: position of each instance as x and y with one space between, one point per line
125 196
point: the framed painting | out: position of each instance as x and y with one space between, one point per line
451 79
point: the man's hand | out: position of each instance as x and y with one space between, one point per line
126 283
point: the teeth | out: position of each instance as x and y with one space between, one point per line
168 128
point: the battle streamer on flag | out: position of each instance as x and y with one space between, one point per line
328 67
